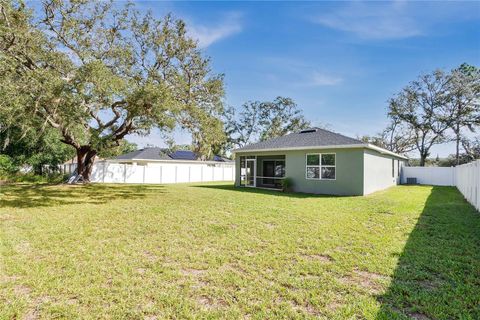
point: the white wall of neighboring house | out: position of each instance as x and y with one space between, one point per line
159 172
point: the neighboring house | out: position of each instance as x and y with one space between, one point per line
158 165
161 155
318 161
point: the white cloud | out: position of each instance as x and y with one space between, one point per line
206 35
322 79
374 20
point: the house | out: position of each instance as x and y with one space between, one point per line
318 161
161 155
160 166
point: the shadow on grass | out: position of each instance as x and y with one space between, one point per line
278 193
438 272
45 195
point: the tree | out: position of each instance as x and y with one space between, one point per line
123 147
280 117
33 148
263 120
472 148
396 138
243 129
423 107
96 74
464 88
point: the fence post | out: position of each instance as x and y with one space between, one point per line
161 167
201 173
189 167
144 168
175 174
477 185
103 171
124 173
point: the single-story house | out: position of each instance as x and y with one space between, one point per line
159 166
318 161
157 155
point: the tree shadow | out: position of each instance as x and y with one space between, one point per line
45 195
277 193
438 272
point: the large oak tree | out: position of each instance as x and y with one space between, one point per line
423 106
464 89
96 73
259 121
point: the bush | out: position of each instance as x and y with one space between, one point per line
7 166
35 178
287 184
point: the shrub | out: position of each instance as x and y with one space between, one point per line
287 184
7 166
31 177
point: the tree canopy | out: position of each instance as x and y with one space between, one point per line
434 105
96 73
258 121
464 89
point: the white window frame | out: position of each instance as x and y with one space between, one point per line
319 166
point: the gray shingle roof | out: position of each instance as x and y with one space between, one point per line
314 137
147 154
164 154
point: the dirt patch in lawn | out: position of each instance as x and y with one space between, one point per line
370 281
270 226
192 272
150 256
334 305
6 217
325 258
430 284
209 303
305 308
22 290
33 312
418 316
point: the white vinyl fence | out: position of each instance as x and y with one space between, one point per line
468 182
465 177
174 172
437 176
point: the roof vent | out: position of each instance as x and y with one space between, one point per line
309 130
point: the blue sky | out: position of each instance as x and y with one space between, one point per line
340 61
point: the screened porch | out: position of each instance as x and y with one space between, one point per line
262 171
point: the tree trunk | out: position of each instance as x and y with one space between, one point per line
423 157
89 161
85 161
457 151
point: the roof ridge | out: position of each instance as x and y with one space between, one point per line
316 137
340 134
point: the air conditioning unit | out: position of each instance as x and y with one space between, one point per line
411 180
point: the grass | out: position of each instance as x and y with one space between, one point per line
212 251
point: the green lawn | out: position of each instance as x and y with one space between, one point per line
212 251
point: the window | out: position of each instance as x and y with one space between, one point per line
320 166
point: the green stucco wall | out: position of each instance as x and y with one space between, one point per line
349 171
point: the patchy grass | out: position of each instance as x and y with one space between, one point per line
212 251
